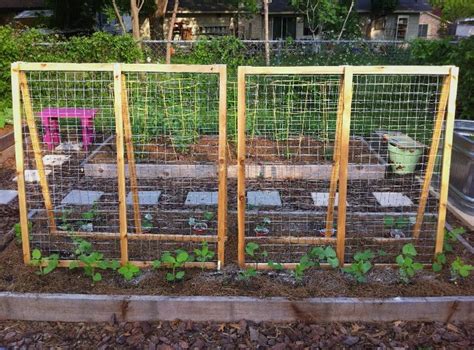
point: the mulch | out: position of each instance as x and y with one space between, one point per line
241 335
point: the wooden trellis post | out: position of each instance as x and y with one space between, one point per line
336 159
344 155
241 165
20 168
131 157
448 145
30 119
437 129
222 200
120 163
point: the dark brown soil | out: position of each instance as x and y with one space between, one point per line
304 150
179 335
382 282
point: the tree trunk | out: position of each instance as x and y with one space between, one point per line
135 19
345 21
119 17
267 43
170 31
157 20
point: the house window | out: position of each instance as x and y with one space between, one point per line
284 27
423 30
402 25
214 30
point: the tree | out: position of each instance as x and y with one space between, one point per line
170 31
453 10
327 18
135 7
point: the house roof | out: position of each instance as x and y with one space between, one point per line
403 6
284 6
22 4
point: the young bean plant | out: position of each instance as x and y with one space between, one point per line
40 261
129 271
460 270
252 249
440 260
406 264
360 266
451 237
175 262
203 254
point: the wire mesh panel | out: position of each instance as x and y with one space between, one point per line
130 158
396 114
342 156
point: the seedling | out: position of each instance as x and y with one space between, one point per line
452 237
175 262
460 270
90 260
200 226
361 266
263 228
275 266
64 220
17 230
38 260
252 249
406 264
320 255
203 254
439 262
147 222
129 271
398 225
304 264
247 274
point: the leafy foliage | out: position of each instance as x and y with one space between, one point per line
451 237
439 262
129 271
406 264
361 265
17 231
459 269
176 262
204 254
454 9
38 260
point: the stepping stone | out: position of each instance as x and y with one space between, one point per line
77 197
321 199
69 147
392 199
145 197
32 175
264 198
201 198
6 196
55 159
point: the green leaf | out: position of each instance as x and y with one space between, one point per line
114 264
168 259
366 266
330 252
182 257
465 270
417 266
36 254
250 248
400 260
170 277
437 267
208 215
156 264
333 262
97 277
409 249
179 275
73 265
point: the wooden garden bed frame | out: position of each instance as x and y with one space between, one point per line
339 173
20 92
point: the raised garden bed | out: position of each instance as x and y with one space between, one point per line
292 159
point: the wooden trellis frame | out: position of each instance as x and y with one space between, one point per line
338 179
20 91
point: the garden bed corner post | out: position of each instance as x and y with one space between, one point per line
343 157
118 100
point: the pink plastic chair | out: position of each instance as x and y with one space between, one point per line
50 121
